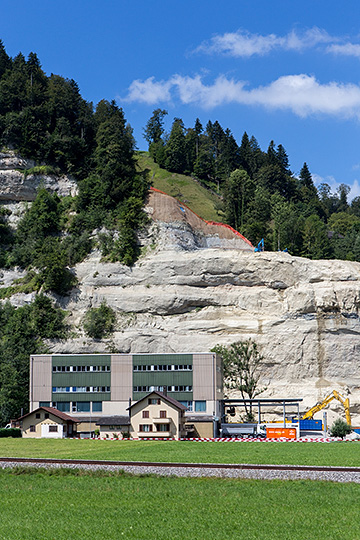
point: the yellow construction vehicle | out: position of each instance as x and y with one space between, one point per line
333 395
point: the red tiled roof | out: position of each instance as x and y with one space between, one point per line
169 399
54 412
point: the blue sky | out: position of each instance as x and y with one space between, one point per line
281 70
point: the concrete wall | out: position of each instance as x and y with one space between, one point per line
121 377
40 380
207 380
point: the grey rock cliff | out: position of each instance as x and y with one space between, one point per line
304 314
15 186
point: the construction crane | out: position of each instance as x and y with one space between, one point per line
333 395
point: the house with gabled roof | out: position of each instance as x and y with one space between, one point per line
47 422
157 415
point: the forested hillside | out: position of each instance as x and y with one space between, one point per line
46 119
262 197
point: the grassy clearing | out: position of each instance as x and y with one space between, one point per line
337 453
198 199
70 505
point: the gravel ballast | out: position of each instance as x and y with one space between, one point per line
203 471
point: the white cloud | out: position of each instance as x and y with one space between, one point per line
245 44
149 91
347 49
302 94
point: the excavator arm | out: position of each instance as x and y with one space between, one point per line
322 404
346 404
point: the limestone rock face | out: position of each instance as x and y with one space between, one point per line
14 186
304 314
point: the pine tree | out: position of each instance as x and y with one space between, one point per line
271 154
305 177
175 148
154 128
239 191
307 188
258 157
115 157
5 60
282 159
198 130
246 154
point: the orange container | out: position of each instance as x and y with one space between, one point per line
278 433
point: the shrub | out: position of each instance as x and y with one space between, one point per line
45 170
99 322
340 428
11 432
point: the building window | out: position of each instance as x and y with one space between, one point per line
61 389
163 367
145 414
162 414
180 388
200 406
162 427
53 429
154 401
81 406
145 428
188 405
32 429
97 406
38 415
46 415
63 406
44 403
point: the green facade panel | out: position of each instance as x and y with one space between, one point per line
162 378
82 378
163 359
82 360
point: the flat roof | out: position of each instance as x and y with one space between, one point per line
123 354
263 401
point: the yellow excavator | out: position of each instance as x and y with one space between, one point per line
333 395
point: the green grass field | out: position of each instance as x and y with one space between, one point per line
67 505
336 453
182 187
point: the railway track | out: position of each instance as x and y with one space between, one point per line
242 470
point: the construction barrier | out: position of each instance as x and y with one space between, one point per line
233 440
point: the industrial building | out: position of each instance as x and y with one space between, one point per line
92 386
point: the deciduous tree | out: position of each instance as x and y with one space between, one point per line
242 363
